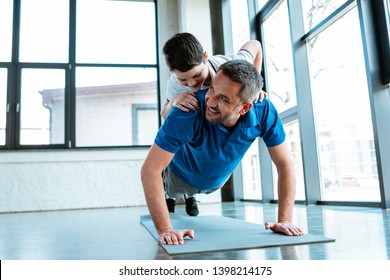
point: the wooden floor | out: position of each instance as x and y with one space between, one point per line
116 234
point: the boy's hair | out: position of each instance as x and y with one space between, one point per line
244 73
183 52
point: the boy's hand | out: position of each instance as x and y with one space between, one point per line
262 94
185 101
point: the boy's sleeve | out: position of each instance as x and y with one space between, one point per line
174 87
245 55
171 87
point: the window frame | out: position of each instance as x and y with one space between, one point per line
14 67
381 15
377 92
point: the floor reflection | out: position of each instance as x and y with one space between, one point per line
360 233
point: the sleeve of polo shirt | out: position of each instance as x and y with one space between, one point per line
174 87
177 130
245 55
241 54
272 131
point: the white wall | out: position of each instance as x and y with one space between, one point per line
195 18
54 180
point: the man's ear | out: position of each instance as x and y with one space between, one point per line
246 107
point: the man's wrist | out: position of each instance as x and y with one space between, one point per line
164 230
284 221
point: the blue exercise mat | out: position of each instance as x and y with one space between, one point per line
217 233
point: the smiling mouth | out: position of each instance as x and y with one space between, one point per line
211 111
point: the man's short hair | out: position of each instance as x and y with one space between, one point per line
183 52
244 73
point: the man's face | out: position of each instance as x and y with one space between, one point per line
193 78
223 104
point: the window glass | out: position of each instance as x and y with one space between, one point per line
388 8
6 11
3 104
42 117
115 106
293 140
240 23
251 172
261 4
251 161
44 31
342 113
116 32
317 10
143 118
280 76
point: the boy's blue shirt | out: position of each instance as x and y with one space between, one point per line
205 152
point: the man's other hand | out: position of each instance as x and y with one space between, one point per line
175 237
285 228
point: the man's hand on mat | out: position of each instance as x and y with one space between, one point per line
284 227
174 237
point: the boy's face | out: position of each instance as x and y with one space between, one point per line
193 78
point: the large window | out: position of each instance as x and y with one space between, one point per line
75 70
342 113
280 78
321 66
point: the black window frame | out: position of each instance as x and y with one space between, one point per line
381 16
14 69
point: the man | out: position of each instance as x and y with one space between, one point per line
192 70
198 150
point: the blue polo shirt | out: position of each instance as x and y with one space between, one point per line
205 152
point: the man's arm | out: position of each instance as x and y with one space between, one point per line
286 191
151 176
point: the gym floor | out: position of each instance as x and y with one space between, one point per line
116 234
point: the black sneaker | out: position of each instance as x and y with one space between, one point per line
192 206
171 205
